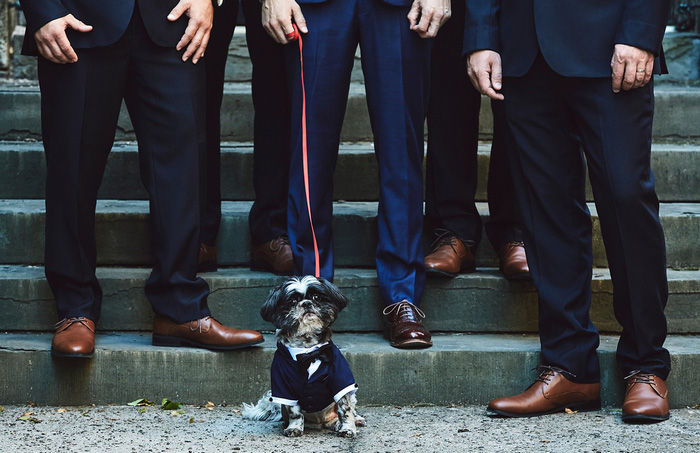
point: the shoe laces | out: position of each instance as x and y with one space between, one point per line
71 321
547 373
277 244
197 324
447 237
403 308
640 377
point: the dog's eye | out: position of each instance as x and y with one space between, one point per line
315 298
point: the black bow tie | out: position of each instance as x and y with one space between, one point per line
324 354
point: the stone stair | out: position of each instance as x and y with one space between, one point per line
485 327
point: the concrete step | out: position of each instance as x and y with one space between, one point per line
458 369
23 170
122 234
480 302
675 119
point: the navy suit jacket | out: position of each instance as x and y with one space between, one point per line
109 19
576 37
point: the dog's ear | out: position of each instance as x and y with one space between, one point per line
267 311
334 293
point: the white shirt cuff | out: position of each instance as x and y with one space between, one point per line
349 389
285 402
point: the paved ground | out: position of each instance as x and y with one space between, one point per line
389 429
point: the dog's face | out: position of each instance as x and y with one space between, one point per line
302 310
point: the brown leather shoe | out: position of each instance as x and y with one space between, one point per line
207 261
551 392
513 262
646 399
449 257
74 337
207 333
273 256
406 331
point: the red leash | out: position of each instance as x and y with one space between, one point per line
297 36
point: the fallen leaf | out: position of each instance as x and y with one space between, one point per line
235 411
112 419
30 403
173 413
569 411
141 402
697 406
396 415
24 417
61 410
142 410
463 430
191 420
168 405
545 441
209 404
418 435
2 409
85 414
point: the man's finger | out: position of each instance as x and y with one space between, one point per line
299 18
66 49
57 52
618 71
193 47
629 77
413 15
77 25
187 36
423 24
176 12
649 71
199 53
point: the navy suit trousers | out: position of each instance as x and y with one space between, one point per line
395 62
80 108
550 116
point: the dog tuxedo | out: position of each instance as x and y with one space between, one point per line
311 378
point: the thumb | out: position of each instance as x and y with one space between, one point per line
178 11
496 78
75 24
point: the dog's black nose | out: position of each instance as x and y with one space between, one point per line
306 303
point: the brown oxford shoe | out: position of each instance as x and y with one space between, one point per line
207 261
449 257
513 262
74 337
207 333
646 399
273 256
551 392
406 331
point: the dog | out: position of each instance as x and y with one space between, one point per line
311 380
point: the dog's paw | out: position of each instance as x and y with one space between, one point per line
347 432
293 432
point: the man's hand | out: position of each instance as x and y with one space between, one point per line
201 14
277 19
484 69
427 16
52 40
632 67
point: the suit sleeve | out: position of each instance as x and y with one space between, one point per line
481 26
643 24
40 12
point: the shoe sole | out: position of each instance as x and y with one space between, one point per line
56 353
167 341
411 344
445 274
641 419
587 406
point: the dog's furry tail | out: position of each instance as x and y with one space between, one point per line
264 410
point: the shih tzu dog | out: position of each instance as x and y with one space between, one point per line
311 380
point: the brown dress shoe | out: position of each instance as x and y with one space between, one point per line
646 399
207 333
551 392
449 257
207 261
74 337
513 262
406 331
273 256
